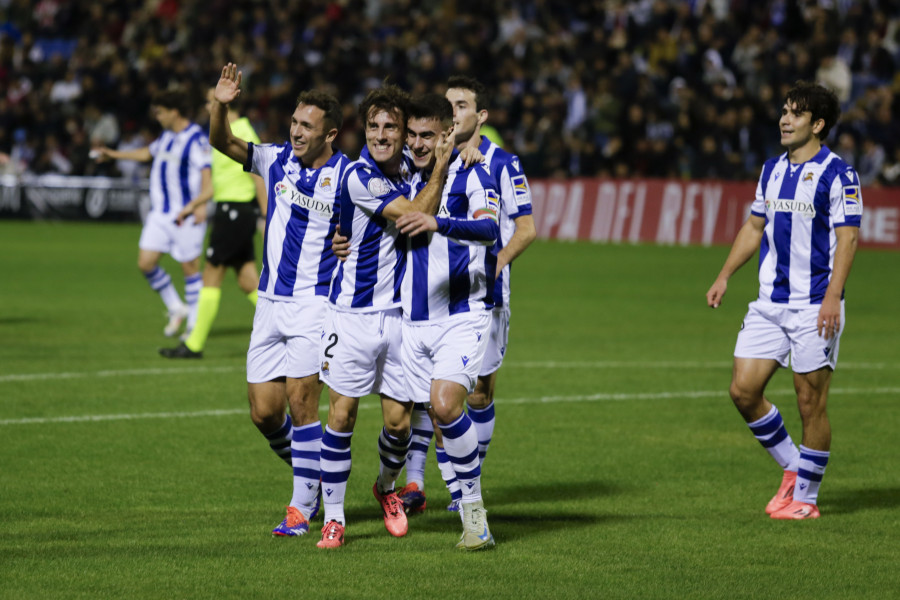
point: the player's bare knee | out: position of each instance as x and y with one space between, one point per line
745 399
341 421
478 400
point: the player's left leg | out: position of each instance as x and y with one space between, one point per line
193 282
481 411
336 462
812 400
393 444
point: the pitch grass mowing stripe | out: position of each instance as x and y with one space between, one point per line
371 405
17 377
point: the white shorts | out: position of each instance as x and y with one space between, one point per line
451 349
359 353
285 339
160 234
772 331
497 341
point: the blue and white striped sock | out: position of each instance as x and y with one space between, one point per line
772 434
192 286
448 474
483 420
336 463
461 446
161 282
420 439
306 447
809 475
280 440
392 451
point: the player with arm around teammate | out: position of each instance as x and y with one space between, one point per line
361 346
468 98
805 222
303 179
179 175
447 297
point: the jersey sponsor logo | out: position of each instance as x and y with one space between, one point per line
852 200
378 187
280 189
520 189
797 207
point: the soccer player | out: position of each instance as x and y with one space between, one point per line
447 298
469 100
303 183
231 238
179 175
361 349
805 221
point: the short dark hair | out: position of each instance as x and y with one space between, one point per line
334 114
389 98
818 100
173 99
431 106
473 85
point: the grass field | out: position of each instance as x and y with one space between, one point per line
619 468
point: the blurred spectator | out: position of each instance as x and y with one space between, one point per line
661 88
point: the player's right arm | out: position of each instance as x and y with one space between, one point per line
744 247
104 154
220 135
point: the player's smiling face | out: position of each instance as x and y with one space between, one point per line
466 118
422 136
309 134
797 128
385 136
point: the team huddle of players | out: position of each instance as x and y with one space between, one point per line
416 310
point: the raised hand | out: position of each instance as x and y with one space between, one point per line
229 86
445 145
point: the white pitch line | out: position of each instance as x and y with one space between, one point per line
649 365
372 404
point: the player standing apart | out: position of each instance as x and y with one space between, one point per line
468 98
231 239
303 183
805 221
179 175
361 347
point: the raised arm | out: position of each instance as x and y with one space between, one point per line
744 247
429 199
220 135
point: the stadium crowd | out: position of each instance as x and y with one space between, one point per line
647 88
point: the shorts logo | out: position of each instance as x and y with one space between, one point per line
465 360
378 187
852 200
325 367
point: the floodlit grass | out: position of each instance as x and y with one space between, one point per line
618 468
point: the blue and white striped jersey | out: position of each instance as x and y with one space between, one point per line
175 176
802 205
301 218
452 271
370 278
515 201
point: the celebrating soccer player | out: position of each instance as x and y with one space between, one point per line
302 179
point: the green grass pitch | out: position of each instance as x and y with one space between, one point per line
618 469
